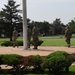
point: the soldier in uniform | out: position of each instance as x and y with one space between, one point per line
35 37
29 33
68 35
14 36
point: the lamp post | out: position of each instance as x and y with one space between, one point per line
24 25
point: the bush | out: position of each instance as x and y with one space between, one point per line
56 62
6 43
26 61
36 62
1 56
39 43
19 43
10 59
9 43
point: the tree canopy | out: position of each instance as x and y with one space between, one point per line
10 17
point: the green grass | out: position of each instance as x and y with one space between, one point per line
4 39
49 41
56 42
72 68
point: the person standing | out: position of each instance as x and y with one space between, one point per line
35 38
29 34
68 35
14 36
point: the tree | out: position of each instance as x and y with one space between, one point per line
45 27
10 17
42 26
57 26
72 25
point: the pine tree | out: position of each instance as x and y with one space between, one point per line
11 17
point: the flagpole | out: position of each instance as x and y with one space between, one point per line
24 25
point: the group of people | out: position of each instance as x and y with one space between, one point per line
34 34
30 33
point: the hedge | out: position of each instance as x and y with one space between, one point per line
56 62
19 43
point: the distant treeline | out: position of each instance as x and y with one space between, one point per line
10 18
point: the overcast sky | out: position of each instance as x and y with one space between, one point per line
48 10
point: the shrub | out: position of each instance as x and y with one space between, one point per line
39 43
36 62
19 43
1 56
56 62
9 43
10 59
6 43
26 61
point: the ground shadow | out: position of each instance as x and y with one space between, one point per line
42 50
72 47
46 50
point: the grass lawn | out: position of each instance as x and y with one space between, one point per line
49 41
56 41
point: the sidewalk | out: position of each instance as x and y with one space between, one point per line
42 50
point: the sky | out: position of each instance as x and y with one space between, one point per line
48 10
